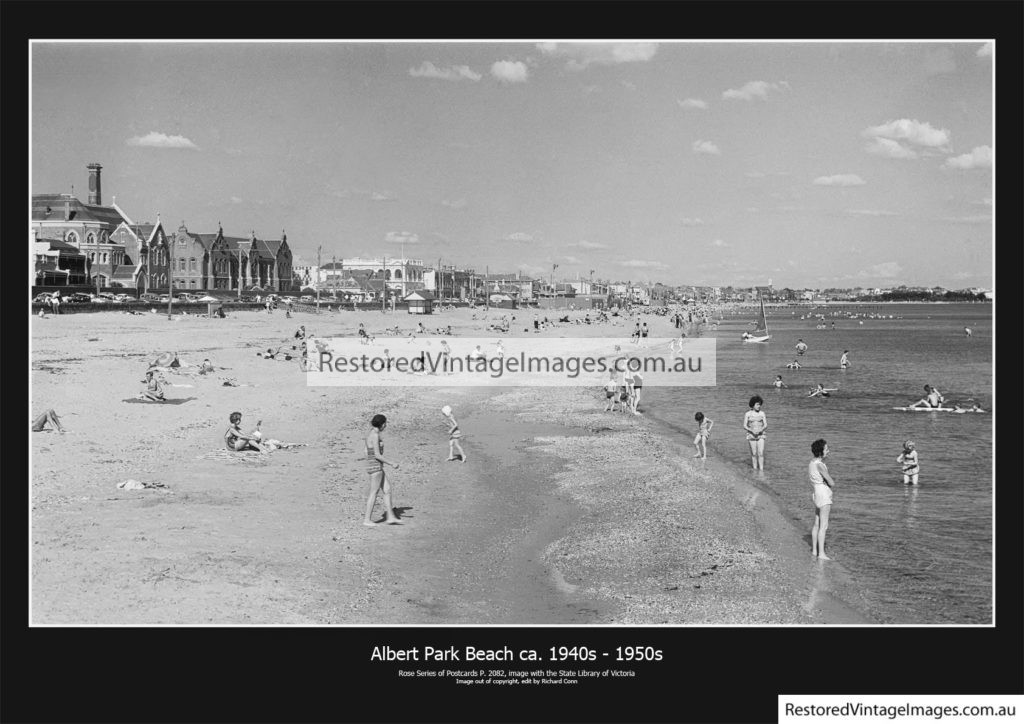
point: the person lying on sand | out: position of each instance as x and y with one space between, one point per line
50 416
236 441
270 443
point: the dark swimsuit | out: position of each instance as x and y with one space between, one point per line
373 465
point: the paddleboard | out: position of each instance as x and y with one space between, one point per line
934 409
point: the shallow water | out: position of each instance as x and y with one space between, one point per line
920 555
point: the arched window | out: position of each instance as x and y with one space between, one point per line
103 237
72 238
398 273
387 274
90 239
192 264
92 256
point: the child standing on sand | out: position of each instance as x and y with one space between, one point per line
908 458
822 483
454 434
703 433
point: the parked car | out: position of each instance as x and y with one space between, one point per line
307 298
164 299
149 297
77 297
43 297
186 297
124 298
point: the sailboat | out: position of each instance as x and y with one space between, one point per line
760 333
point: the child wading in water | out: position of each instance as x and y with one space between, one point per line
910 467
703 433
453 434
375 463
822 483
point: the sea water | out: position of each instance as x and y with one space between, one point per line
918 555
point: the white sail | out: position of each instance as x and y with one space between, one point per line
760 333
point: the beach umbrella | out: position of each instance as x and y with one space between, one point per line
208 298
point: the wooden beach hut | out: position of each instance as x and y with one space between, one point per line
420 302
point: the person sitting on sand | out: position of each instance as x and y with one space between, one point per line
454 434
39 424
822 484
154 390
375 467
300 333
236 441
206 367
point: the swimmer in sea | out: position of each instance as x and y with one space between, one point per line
778 383
794 365
908 458
932 399
822 484
800 347
844 361
819 391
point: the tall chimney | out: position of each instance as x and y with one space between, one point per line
95 195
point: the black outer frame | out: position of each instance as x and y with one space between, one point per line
322 675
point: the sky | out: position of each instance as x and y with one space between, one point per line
810 164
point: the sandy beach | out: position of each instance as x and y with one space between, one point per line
562 514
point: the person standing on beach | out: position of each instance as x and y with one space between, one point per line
375 462
454 434
908 458
611 392
822 484
703 433
756 423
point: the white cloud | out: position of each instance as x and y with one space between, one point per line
457 204
534 271
693 103
977 219
889 148
510 71
519 236
720 244
754 89
584 244
912 131
401 237
843 179
692 222
161 140
582 55
706 147
870 212
987 50
452 72
887 269
571 260
642 264
980 157
383 196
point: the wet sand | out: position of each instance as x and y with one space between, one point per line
562 514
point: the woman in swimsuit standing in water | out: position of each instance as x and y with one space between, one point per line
375 463
755 423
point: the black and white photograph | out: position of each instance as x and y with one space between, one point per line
545 339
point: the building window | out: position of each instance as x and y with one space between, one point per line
90 239
72 238
192 264
398 273
192 283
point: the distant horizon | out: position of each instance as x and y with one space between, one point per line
819 165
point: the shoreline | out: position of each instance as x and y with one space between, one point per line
276 539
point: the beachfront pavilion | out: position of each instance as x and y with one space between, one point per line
420 302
